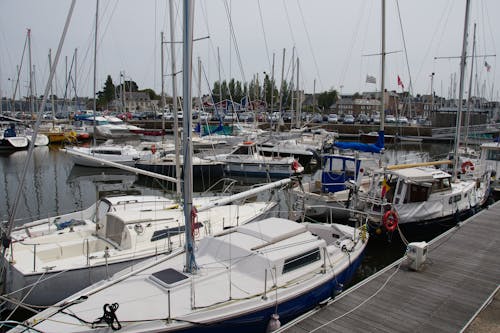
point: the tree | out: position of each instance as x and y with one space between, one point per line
130 86
152 94
107 94
327 98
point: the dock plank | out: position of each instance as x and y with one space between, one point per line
461 271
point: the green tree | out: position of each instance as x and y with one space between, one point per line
130 86
107 94
152 94
327 98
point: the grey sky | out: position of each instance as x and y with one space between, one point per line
330 38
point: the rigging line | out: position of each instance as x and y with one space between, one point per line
410 86
233 35
447 11
310 45
264 33
362 303
289 23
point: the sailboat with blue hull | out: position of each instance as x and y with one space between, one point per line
247 278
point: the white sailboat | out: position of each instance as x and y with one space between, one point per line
244 279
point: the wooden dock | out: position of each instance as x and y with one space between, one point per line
459 277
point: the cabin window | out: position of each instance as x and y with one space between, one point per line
455 198
107 152
301 260
334 164
441 184
243 150
493 155
417 193
171 232
350 168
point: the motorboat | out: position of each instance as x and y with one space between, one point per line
122 154
244 160
326 195
420 199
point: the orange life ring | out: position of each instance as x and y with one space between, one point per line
390 220
467 165
248 142
153 149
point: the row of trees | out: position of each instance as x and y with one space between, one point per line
233 90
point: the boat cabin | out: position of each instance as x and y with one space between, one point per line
415 184
337 170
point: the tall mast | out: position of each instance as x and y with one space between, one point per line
298 103
187 45
281 85
31 75
174 98
162 89
382 76
461 92
272 86
95 69
467 115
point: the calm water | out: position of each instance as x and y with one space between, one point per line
54 186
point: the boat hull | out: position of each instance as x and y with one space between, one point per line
52 287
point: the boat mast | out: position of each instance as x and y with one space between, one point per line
31 75
187 48
467 115
461 92
162 90
95 70
382 78
174 99
12 214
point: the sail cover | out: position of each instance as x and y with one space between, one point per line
364 147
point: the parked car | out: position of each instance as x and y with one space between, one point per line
245 116
204 116
125 116
168 115
363 119
390 119
332 118
402 120
348 119
317 118
376 119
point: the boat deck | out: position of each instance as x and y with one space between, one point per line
459 277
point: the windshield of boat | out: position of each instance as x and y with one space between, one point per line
102 210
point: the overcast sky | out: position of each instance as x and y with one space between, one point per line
332 39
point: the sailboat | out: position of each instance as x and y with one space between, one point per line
247 278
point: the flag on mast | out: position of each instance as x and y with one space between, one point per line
400 83
488 66
370 79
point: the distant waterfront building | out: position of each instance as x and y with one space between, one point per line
133 101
